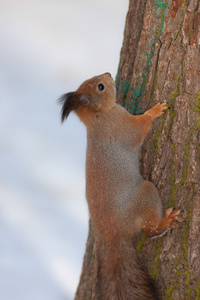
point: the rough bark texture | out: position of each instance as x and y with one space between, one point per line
160 60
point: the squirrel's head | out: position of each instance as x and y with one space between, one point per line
95 95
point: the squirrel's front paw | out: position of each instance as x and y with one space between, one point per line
157 110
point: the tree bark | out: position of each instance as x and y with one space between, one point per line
160 60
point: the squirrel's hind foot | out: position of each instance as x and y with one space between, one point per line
156 227
172 217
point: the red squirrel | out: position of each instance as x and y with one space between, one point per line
121 203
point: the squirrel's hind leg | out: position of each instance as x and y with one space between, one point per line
153 226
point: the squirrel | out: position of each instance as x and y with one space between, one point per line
121 203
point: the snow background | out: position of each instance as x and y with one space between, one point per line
47 48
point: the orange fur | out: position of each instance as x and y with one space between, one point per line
121 202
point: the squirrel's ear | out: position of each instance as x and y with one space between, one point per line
69 103
84 100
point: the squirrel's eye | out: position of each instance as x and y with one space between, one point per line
100 87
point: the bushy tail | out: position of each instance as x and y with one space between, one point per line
122 275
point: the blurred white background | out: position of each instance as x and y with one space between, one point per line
47 48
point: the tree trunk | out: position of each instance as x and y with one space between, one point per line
160 60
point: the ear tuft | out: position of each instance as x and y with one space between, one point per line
69 103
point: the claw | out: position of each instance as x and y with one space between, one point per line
163 106
172 217
175 212
168 211
179 218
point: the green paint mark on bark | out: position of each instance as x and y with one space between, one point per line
155 32
125 88
138 91
117 83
